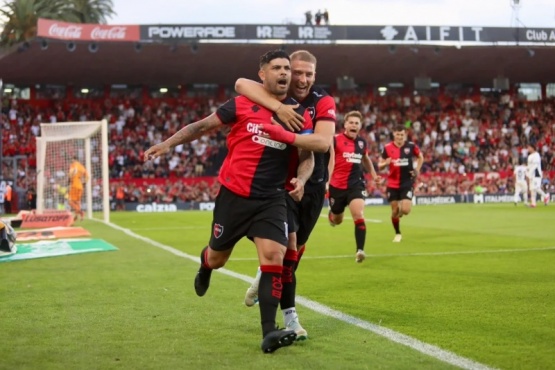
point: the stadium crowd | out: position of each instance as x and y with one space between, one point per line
470 143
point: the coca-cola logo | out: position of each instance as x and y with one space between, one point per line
66 32
113 33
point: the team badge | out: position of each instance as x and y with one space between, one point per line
360 144
332 201
407 151
218 230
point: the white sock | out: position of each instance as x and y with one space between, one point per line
541 193
289 314
533 197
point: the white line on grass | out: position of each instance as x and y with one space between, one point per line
413 343
173 228
416 254
374 221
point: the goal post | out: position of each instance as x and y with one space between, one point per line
57 146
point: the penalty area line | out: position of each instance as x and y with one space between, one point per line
417 254
405 340
371 220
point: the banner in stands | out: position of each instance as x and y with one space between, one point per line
369 34
86 32
418 200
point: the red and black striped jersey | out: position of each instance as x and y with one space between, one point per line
348 171
321 107
255 166
401 164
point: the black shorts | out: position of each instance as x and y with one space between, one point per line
399 194
340 198
235 217
302 216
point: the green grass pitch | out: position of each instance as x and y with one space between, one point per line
476 281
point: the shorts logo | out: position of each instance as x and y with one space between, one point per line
218 230
332 201
407 150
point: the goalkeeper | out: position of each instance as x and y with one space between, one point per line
77 175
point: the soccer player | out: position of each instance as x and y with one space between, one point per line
303 213
77 175
521 184
251 201
399 155
347 184
535 176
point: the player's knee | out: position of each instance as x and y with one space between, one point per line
216 261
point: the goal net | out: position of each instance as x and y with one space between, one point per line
57 147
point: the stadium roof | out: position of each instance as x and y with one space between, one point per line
222 63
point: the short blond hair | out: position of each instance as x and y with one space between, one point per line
304 56
353 113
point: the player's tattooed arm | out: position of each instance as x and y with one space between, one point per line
187 134
195 130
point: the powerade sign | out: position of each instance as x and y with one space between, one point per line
407 34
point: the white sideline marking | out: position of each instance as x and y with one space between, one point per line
173 228
372 220
415 254
413 343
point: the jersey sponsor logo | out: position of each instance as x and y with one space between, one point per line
352 157
331 112
401 162
269 142
218 230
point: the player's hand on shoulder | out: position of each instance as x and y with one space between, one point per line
156 151
290 118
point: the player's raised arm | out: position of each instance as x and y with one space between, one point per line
258 94
187 134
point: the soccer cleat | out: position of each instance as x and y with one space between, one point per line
202 281
251 297
298 329
532 205
546 199
360 256
332 224
277 339
397 238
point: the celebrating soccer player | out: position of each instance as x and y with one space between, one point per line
347 184
302 213
251 201
398 155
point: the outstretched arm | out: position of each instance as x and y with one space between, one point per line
187 134
258 94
